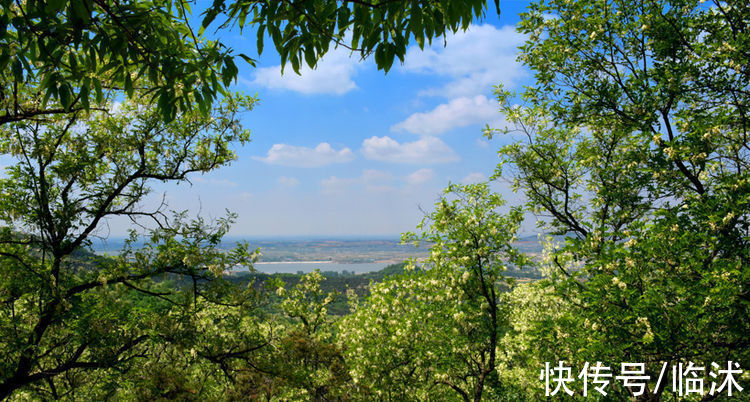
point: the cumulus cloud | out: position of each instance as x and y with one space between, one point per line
473 61
458 112
426 150
333 75
290 155
420 176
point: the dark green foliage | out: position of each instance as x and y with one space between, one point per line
58 56
302 32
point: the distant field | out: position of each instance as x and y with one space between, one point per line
327 254
337 251
305 267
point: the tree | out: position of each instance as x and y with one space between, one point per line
308 361
65 311
443 324
299 359
303 31
69 317
543 328
636 151
74 53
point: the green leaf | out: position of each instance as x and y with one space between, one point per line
98 90
64 94
84 95
4 59
310 56
295 62
49 93
380 56
276 37
17 70
230 71
284 54
247 59
163 102
343 15
226 78
389 53
81 10
241 19
53 6
128 84
208 19
260 35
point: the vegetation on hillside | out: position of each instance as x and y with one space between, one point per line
634 151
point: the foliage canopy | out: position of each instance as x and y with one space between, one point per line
65 311
634 150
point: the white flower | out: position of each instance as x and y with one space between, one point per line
620 284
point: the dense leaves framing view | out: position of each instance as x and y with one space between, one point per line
626 150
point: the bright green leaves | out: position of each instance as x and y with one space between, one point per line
399 339
471 233
307 302
111 155
303 359
442 323
634 134
74 171
229 71
303 32
88 46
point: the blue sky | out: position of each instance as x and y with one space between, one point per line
346 150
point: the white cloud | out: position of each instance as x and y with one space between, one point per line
426 150
420 176
287 181
332 75
321 155
473 61
472 178
456 113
